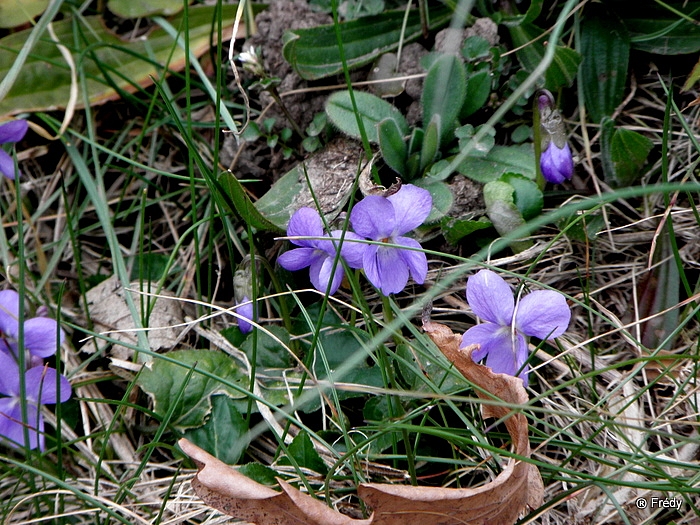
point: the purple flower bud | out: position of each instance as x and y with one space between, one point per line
242 293
557 164
245 310
556 160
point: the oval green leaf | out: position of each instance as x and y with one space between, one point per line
431 143
223 435
478 89
142 8
499 198
109 65
15 13
371 110
442 198
564 67
305 455
606 46
392 145
500 160
186 395
655 28
314 52
626 152
443 93
339 158
237 201
527 197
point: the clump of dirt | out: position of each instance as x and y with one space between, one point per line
281 16
256 160
468 197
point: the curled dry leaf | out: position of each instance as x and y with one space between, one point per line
234 494
501 501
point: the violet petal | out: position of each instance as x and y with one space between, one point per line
9 312
306 222
393 271
369 264
416 261
412 206
245 310
502 362
41 386
13 429
9 379
7 165
490 297
325 274
351 251
40 336
488 336
299 258
543 314
373 218
557 164
13 131
10 416
522 354
504 359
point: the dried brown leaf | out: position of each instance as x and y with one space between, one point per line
110 313
501 501
232 493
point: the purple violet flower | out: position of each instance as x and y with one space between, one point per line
387 219
39 332
245 310
556 160
502 337
10 132
40 389
320 254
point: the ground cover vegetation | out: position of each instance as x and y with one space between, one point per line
349 262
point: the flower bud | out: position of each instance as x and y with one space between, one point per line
556 160
557 164
242 293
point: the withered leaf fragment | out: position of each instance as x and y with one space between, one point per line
498 502
232 493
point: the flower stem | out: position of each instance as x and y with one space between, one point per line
272 90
